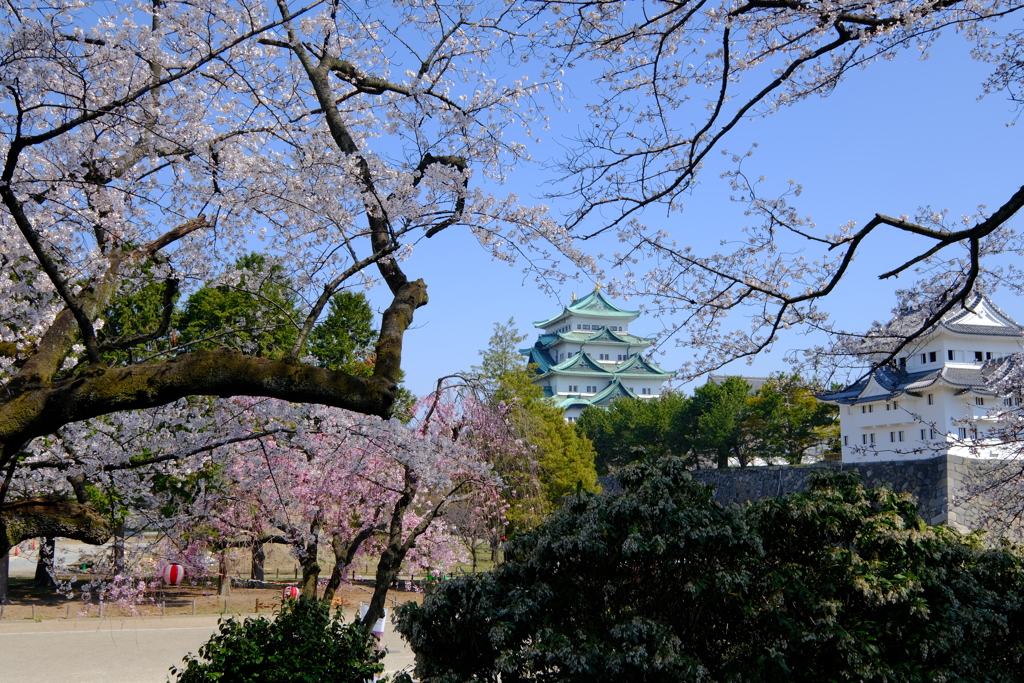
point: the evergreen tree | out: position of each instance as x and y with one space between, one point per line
344 339
257 315
785 420
717 417
564 459
633 429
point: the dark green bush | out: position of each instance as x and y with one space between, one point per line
663 585
304 643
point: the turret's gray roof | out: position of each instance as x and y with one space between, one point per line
976 378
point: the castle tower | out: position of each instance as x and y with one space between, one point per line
585 356
938 397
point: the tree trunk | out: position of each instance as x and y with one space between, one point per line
333 583
44 567
259 559
5 598
223 580
309 562
310 571
388 566
118 548
344 554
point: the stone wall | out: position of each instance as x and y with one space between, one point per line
981 497
987 494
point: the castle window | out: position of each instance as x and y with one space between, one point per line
931 433
977 355
962 432
892 437
645 390
949 355
864 438
924 358
863 409
988 355
846 441
871 407
931 399
922 435
899 435
586 327
931 356
979 401
872 439
888 406
895 405
903 363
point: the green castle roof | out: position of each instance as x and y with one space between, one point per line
584 365
605 336
594 305
638 366
604 398
580 364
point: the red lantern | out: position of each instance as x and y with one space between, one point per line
173 574
290 593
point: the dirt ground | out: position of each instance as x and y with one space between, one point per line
281 569
30 602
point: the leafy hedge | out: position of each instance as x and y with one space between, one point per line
664 584
304 643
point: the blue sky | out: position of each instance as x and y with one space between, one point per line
893 137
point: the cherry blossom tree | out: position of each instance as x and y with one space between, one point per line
158 144
678 78
247 472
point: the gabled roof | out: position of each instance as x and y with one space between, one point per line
605 336
613 392
580 364
594 305
888 383
980 316
637 366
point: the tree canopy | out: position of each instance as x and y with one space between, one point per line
663 584
151 148
147 147
637 429
721 424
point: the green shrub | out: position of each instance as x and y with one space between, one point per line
304 643
663 585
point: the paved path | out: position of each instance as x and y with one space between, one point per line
135 650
